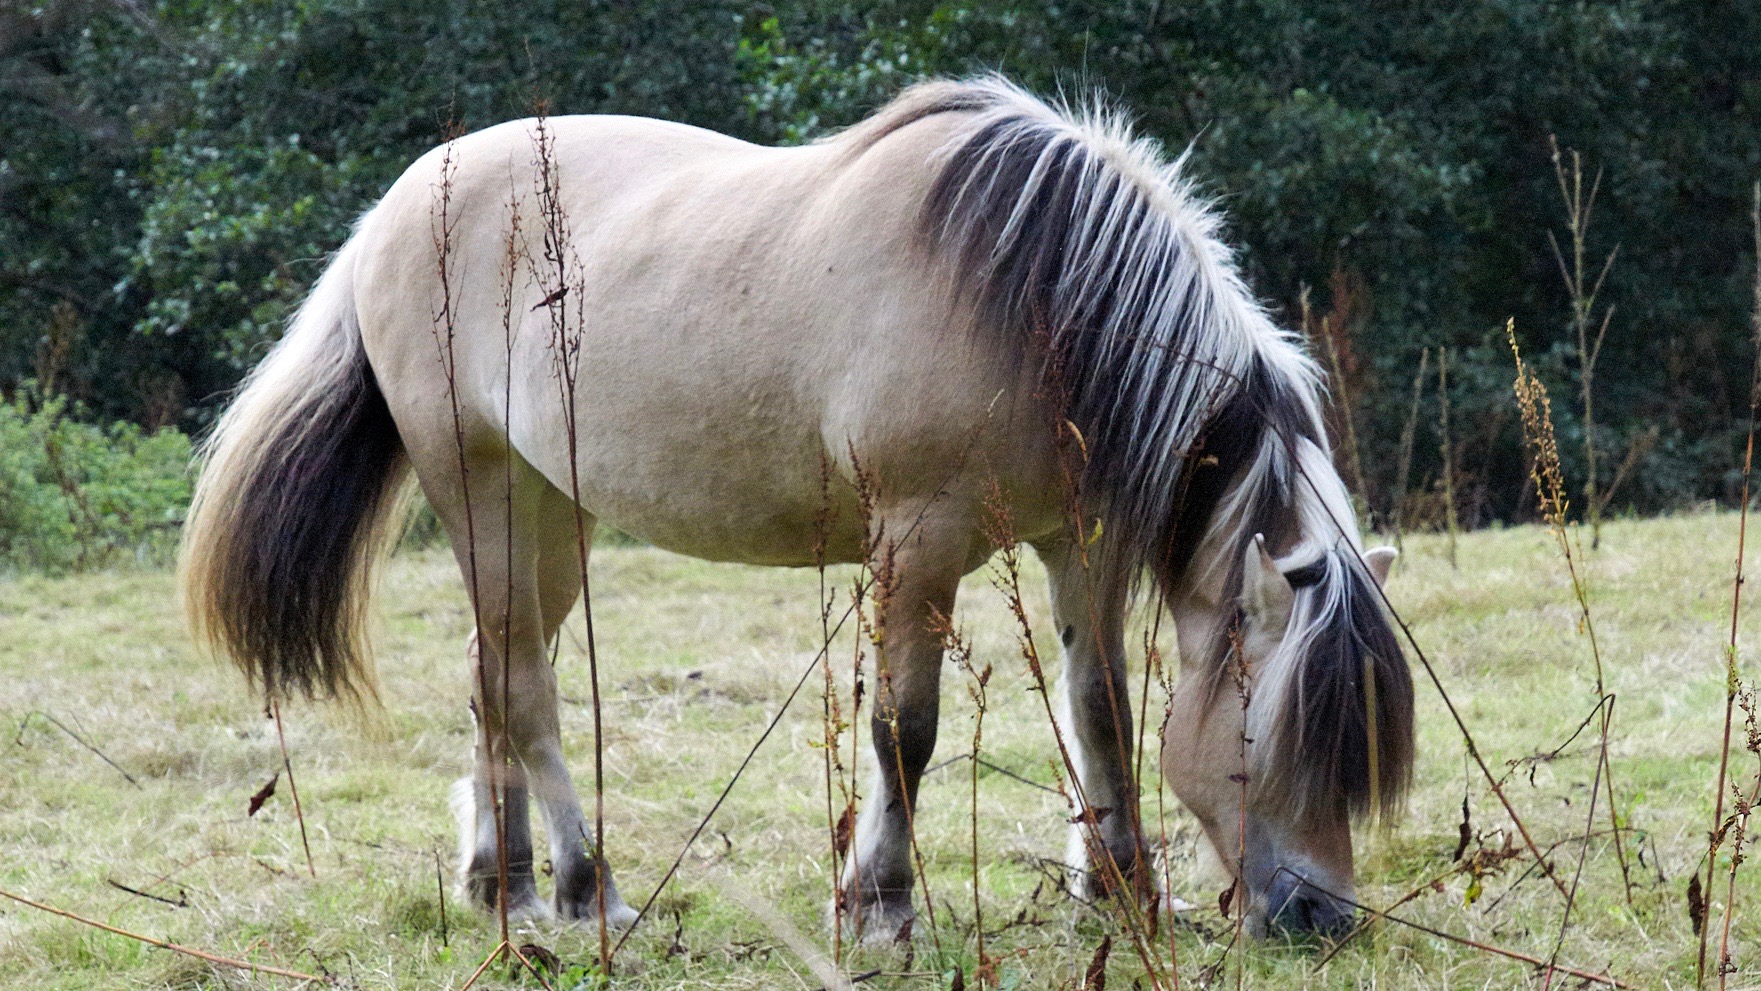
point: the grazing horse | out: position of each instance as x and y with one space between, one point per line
974 300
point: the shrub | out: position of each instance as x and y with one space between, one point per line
77 495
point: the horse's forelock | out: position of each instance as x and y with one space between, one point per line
1315 747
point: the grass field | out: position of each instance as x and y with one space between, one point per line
696 659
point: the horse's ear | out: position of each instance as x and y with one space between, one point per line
1266 595
1379 560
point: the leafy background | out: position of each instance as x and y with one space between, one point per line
173 173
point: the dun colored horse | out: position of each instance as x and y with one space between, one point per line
970 298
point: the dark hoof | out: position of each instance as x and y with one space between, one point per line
879 920
585 908
481 889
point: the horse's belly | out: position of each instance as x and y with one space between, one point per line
712 493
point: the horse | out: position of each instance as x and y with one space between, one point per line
976 300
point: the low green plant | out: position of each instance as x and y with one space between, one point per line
76 495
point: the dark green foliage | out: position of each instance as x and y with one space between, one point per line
176 172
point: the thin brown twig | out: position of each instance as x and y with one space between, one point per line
1153 658
566 352
831 707
444 326
293 789
703 823
1606 704
440 887
960 654
1446 447
501 950
166 944
82 742
179 902
1341 392
1463 940
1408 434
1583 292
1741 821
1239 893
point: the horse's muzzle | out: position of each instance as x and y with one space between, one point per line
1296 907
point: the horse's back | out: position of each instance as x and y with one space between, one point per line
745 315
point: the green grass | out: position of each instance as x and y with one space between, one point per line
696 658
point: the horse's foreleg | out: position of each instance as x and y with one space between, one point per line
916 575
1095 721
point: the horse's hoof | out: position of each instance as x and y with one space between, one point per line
523 899
585 908
1102 883
880 922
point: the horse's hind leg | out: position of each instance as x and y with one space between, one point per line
572 842
1094 717
524 575
473 804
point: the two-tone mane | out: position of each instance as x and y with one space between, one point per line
1202 419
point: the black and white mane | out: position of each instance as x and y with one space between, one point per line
1202 419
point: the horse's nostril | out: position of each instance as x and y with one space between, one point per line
1300 909
1328 918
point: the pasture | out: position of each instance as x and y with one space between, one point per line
697 657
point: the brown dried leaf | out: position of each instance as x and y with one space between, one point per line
542 959
1466 831
1696 903
262 795
845 828
1095 979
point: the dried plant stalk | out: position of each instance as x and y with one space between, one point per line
1549 481
1341 390
999 527
166 944
1446 447
1579 207
838 825
1732 684
1408 434
293 789
444 326
960 654
561 280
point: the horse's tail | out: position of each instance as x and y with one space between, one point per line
299 496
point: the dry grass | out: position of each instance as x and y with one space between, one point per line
695 659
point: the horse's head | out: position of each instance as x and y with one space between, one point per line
1293 717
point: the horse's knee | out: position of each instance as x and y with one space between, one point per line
904 742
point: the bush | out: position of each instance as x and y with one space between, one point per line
76 495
